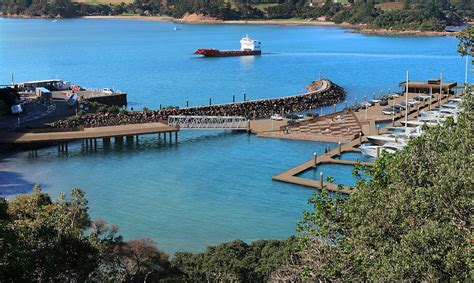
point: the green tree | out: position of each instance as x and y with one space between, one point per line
410 221
466 41
46 240
234 261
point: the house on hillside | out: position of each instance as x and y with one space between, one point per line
316 3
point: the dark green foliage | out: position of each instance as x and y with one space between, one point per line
359 13
113 109
417 14
45 240
466 41
408 20
410 221
9 95
235 261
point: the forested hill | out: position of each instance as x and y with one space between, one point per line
425 15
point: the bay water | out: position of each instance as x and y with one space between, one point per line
212 186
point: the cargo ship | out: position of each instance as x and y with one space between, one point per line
248 47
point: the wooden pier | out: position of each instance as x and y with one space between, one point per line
89 135
367 118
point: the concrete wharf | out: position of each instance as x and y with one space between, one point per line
369 117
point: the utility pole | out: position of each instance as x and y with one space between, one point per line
406 103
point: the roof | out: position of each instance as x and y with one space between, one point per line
428 84
42 81
42 89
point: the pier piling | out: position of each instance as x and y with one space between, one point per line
321 179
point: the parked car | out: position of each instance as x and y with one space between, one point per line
107 91
293 122
400 106
394 95
412 102
276 117
383 102
292 116
375 100
423 97
312 114
389 111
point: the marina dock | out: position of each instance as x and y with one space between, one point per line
368 118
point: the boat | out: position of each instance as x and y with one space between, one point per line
248 47
374 150
56 19
395 137
177 28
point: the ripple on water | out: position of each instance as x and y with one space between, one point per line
209 188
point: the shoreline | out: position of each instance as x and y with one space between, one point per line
214 21
361 29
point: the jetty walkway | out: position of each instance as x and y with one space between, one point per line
42 137
367 119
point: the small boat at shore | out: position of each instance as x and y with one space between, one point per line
248 47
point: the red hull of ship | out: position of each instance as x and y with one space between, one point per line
226 53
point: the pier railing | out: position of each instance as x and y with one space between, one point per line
208 122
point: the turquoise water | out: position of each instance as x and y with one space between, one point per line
212 186
209 188
154 63
350 155
342 174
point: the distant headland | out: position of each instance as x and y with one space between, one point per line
383 18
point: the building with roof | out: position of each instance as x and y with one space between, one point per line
51 85
430 86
